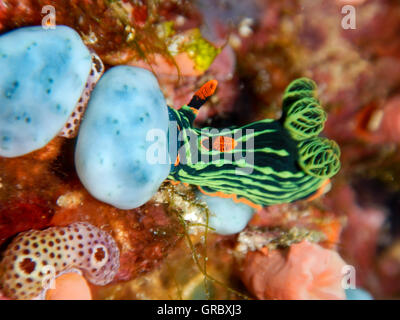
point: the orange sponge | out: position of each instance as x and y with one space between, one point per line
70 286
306 272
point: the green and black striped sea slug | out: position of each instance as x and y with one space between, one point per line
263 163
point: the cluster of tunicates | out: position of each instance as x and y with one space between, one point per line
47 76
52 85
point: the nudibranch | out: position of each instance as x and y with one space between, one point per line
263 163
36 257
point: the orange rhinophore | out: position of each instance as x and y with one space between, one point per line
201 95
207 89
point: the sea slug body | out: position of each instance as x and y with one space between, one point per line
263 163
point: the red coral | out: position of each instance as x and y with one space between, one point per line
22 216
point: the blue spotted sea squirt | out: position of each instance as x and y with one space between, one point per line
111 152
43 73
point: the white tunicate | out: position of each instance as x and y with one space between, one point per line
226 216
126 111
43 73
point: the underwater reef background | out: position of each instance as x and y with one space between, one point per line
254 48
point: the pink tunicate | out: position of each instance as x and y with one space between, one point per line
34 258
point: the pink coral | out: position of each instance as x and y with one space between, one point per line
350 2
306 271
361 233
390 126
